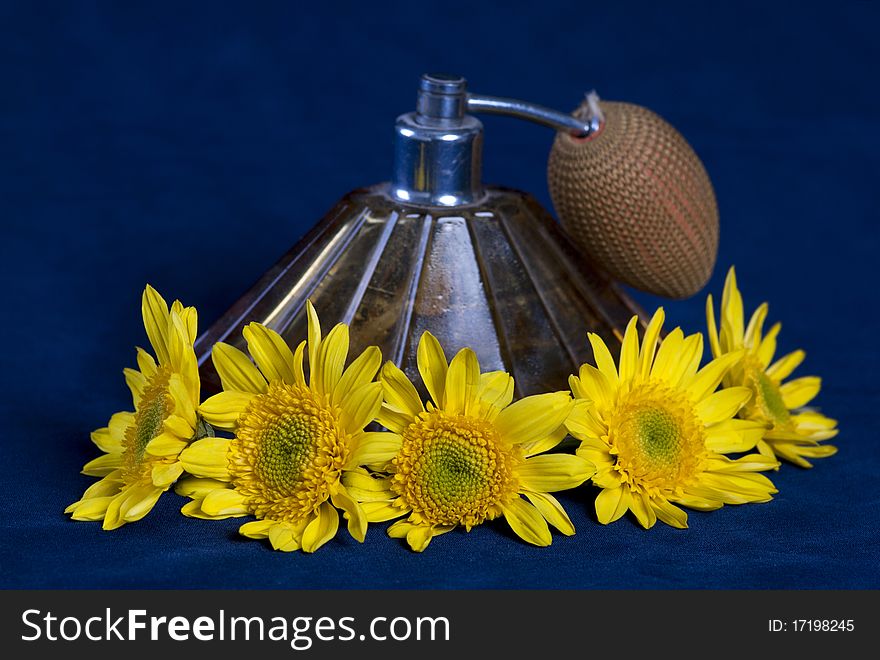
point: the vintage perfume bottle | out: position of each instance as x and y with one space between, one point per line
435 249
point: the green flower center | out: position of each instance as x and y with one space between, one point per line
657 438
454 469
153 409
657 434
769 398
288 452
288 445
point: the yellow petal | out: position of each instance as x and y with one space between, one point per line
602 358
270 352
183 357
374 448
165 444
321 529
110 485
462 384
534 417
552 472
432 366
606 477
299 377
549 507
314 344
256 529
119 424
767 349
629 351
366 488
393 420
712 329
734 436
683 367
400 529
223 410
577 390
362 407
668 354
91 509
795 453
495 393
381 511
165 474
155 313
800 391
546 443
112 516
709 377
146 363
198 487
649 343
698 502
739 488
190 318
285 537
183 398
784 366
359 373
595 387
732 316
811 420
419 537
207 458
178 426
582 423
331 358
236 371
525 520
136 382
106 442
357 519
756 325
599 457
669 513
612 503
750 463
103 465
722 405
225 503
399 391
193 509
139 503
641 507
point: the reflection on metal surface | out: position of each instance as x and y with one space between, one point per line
500 277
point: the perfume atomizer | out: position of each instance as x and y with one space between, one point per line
487 267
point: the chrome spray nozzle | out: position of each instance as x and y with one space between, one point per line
438 148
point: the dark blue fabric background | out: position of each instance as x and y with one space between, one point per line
190 145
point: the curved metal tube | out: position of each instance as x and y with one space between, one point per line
496 105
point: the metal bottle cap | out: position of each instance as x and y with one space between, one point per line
438 148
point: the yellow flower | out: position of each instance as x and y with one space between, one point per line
294 439
470 455
656 429
791 432
142 447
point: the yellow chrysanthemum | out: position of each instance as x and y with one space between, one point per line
142 447
470 455
294 439
791 432
656 429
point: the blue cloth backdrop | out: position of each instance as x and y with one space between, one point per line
188 145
